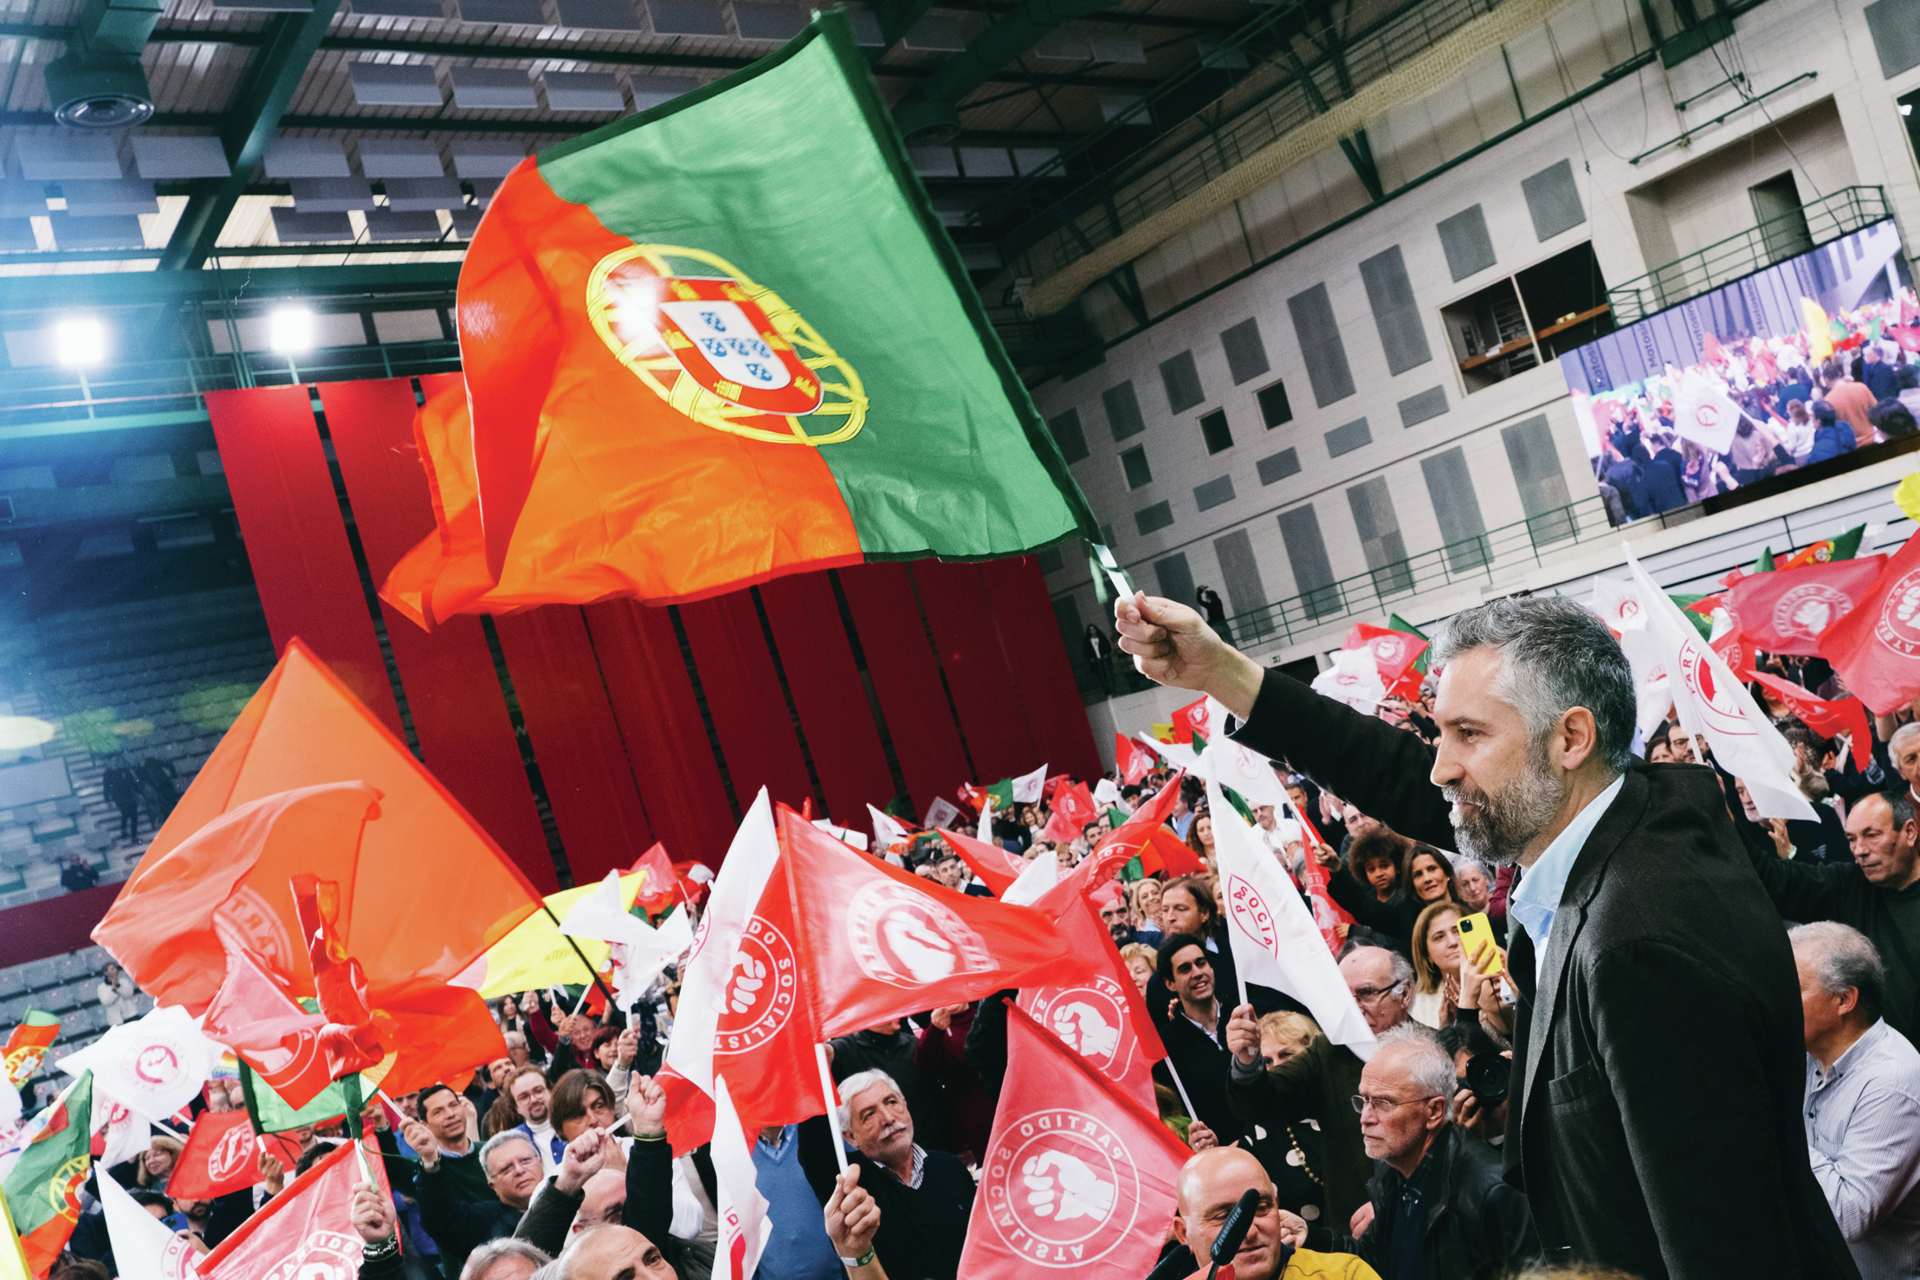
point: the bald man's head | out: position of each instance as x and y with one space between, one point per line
1211 1184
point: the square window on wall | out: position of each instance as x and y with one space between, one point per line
1214 430
1134 463
1274 408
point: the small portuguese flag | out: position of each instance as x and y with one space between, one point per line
720 341
43 1190
28 1043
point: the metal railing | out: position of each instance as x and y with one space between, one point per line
1378 592
1772 241
46 396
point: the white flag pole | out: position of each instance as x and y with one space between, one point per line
1181 1089
833 1118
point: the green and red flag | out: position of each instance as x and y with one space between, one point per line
43 1188
28 1043
717 342
1844 547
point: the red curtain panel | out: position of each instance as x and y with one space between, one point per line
743 696
984 693
1030 638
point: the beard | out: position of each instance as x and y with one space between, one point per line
1501 824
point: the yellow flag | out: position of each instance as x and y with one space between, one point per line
13 1262
1819 330
537 954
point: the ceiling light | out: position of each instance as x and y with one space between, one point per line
290 330
80 341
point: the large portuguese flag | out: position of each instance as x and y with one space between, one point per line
43 1188
717 342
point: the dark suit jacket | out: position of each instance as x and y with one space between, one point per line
1659 1064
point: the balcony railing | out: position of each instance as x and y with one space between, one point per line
1773 240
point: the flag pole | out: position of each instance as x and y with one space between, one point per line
833 1119
1181 1089
592 974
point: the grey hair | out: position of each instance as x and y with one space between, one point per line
1901 802
561 1268
515 1039
1904 734
1461 862
483 1258
1845 960
1430 1066
859 1082
498 1140
1402 967
1555 654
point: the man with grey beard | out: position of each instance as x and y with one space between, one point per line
1658 1064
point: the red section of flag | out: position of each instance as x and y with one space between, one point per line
1078 1173
1327 913
690 1111
1394 652
1876 647
1129 839
307 1230
876 942
1133 761
1165 852
1189 720
1102 1018
661 888
994 865
222 1155
1828 719
1737 652
1788 610
1073 809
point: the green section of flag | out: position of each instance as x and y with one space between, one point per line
271 1114
1002 793
35 1189
40 1018
1701 623
1765 563
1397 623
1847 545
793 172
1133 870
1115 817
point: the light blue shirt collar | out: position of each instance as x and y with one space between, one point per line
1534 903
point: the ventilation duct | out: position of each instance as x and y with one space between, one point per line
99 82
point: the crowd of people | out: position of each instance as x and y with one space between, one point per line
1387 1163
1801 403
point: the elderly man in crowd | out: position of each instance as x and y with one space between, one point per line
1878 893
1863 1100
924 1197
459 1225
1638 922
1319 1084
1440 1210
1211 1184
378 1226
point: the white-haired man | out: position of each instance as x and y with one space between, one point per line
924 1197
1863 1100
459 1225
1440 1207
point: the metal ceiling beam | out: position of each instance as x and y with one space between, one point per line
255 115
147 288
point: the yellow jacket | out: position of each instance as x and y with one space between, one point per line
1305 1264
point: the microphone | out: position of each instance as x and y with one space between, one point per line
1233 1233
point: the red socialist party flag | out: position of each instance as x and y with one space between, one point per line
661 888
1787 611
307 1230
1876 647
1191 719
1073 809
1737 652
1102 1017
222 1156
876 942
1079 1177
1829 719
1130 759
996 867
1394 652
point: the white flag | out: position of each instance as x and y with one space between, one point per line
1354 679
1179 755
1232 765
1653 688
153 1066
886 834
1027 787
845 835
1106 791
1702 412
1274 938
640 951
142 1248
750 862
127 1134
1711 701
1618 604
1031 885
940 813
744 1225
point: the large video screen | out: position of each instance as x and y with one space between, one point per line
1783 372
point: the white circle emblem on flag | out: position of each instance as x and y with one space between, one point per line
324 1255
1387 650
1809 609
230 1155
1248 911
910 939
154 1067
1090 1020
247 922
178 1258
1899 627
758 997
1061 1189
1718 706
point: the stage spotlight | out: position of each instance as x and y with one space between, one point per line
80 341
290 330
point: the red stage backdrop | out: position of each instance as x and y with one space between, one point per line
644 723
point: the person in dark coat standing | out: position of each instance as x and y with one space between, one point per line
1641 938
122 790
1100 657
1216 610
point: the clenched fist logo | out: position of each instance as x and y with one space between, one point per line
927 956
1062 1187
904 937
757 996
749 975
1081 1028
